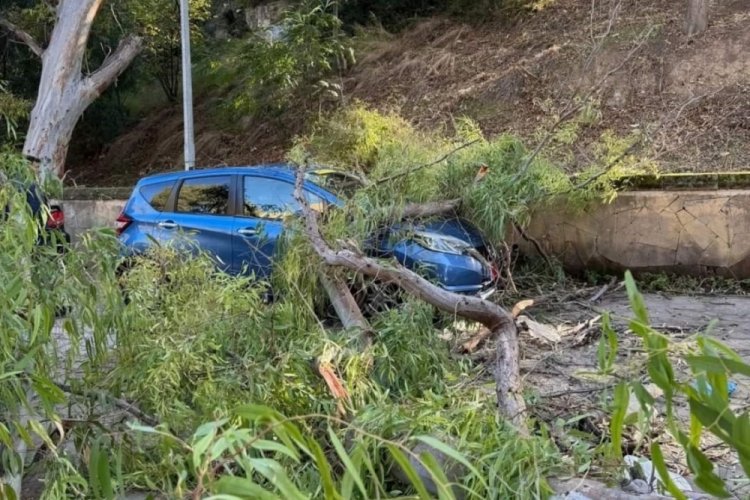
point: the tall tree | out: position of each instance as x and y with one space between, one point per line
159 21
64 91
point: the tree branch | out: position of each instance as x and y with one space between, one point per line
404 173
120 403
22 36
128 48
417 210
508 382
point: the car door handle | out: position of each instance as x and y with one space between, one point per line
248 231
167 225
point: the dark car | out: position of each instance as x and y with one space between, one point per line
238 214
50 217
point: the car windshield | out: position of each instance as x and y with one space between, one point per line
341 184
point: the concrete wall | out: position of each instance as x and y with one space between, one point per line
82 215
699 232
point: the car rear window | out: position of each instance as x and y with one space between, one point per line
204 195
157 194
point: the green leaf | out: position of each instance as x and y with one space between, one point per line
620 407
410 472
718 421
696 429
606 352
7 492
645 399
715 364
661 467
276 475
344 456
705 478
438 476
240 487
105 480
275 446
324 469
636 299
452 453
741 440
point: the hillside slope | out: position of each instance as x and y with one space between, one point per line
690 97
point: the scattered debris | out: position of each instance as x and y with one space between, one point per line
473 343
521 307
643 468
545 333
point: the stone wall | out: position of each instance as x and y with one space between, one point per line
699 232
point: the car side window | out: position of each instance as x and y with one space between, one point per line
273 199
204 195
157 194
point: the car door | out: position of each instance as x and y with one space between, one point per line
201 219
267 203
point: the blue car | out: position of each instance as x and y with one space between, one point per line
238 214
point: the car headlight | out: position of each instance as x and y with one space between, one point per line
440 243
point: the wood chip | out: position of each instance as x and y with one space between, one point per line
545 333
521 307
473 343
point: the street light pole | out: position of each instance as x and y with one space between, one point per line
187 87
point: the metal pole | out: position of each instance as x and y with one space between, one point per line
187 87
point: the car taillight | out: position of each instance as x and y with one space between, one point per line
494 272
56 219
122 223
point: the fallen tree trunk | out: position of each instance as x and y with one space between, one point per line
346 307
507 374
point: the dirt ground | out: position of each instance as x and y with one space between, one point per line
511 75
562 373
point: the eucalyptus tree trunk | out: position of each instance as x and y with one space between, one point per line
696 19
64 91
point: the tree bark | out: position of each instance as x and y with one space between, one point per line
507 374
346 307
64 92
696 19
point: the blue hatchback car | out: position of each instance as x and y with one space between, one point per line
238 214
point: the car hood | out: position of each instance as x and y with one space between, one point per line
449 226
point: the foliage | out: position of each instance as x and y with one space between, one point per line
37 359
12 110
262 75
704 388
159 21
385 146
201 358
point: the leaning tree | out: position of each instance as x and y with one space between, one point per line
64 90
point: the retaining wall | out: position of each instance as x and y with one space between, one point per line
698 232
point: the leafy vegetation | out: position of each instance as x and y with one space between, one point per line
160 24
262 75
704 387
190 346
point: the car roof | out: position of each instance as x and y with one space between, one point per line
278 170
282 170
